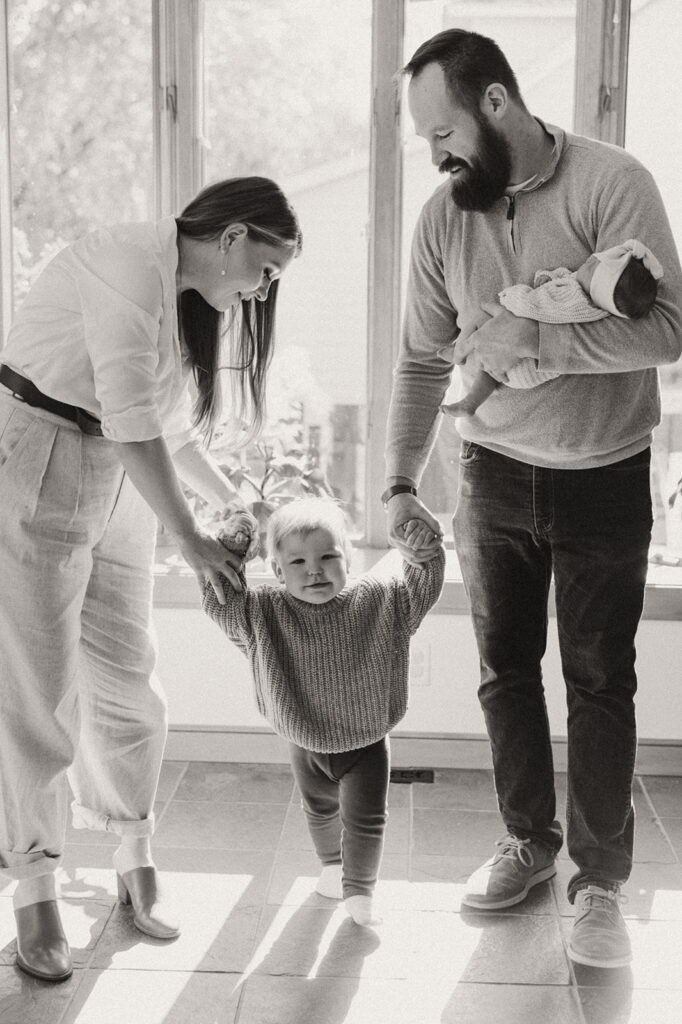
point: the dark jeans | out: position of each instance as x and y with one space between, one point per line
344 798
514 526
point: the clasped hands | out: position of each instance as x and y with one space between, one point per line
214 557
496 341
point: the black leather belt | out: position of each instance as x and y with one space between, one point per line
23 388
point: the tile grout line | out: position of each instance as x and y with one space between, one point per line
410 833
264 904
171 795
656 818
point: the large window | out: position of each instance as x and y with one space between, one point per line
80 122
122 109
287 95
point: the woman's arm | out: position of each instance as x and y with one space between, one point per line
150 468
201 472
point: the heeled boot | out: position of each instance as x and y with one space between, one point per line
139 888
42 949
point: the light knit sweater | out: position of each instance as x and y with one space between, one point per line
555 298
605 402
330 677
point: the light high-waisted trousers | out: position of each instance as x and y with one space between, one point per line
77 655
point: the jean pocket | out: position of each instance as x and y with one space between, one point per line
469 453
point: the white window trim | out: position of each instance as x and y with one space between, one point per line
6 258
178 102
602 37
384 270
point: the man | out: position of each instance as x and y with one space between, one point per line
553 479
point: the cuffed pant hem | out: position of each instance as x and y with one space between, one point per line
575 885
358 890
327 859
19 866
84 817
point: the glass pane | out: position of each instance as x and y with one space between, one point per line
538 39
81 122
656 29
287 95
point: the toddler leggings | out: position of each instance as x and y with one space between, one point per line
344 797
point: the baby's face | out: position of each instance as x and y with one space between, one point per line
313 566
584 274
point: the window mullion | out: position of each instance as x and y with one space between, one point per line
178 102
5 179
384 247
602 33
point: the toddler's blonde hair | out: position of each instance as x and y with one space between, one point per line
304 515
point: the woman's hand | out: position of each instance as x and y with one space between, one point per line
207 558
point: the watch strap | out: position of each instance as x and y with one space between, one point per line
390 492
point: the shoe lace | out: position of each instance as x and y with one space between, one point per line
602 899
516 849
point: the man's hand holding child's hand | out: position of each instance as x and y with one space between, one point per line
417 534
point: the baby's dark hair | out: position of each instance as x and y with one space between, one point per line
636 290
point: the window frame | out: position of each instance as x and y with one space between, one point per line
602 35
6 257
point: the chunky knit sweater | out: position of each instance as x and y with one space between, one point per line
330 677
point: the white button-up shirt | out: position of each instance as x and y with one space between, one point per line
99 330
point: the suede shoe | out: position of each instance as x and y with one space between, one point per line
599 937
507 878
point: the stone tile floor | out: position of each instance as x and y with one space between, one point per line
260 947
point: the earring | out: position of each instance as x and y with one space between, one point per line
224 266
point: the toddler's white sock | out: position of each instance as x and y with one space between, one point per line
329 882
34 890
361 909
134 852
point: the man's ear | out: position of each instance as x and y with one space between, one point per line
495 101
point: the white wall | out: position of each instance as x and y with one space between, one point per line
207 683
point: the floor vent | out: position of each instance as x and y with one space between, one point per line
409 775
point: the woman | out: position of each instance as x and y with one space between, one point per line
96 432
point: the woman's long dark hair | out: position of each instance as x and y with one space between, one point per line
262 206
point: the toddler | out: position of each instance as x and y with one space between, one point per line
622 281
329 661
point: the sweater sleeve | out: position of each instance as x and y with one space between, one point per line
425 363
627 206
232 617
420 588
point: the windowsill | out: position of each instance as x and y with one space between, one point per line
175 585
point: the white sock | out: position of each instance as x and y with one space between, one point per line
329 882
134 852
35 890
361 909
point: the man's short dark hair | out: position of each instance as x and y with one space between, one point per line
470 63
635 291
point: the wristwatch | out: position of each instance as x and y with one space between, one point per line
396 489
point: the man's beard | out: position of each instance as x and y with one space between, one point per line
484 178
